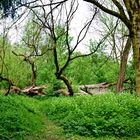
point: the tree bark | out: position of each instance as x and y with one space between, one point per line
28 60
33 74
135 35
136 52
66 81
59 71
124 58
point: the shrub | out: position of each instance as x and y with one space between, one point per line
100 115
17 119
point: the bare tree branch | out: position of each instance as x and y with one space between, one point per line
111 12
97 47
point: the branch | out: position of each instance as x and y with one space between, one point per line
42 5
84 55
69 16
28 60
86 28
104 38
119 6
111 12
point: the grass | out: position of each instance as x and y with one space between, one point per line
16 119
26 118
102 115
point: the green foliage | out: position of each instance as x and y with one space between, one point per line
46 74
16 69
13 67
18 117
94 69
100 115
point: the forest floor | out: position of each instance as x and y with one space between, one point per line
54 132
34 107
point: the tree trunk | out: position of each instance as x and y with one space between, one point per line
124 58
28 60
136 48
66 81
136 51
33 74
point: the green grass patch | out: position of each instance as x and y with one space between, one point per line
18 118
102 115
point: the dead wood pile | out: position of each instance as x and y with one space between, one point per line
31 91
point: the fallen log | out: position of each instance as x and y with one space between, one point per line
94 86
34 90
30 91
98 88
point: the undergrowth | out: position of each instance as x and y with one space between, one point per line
17 118
102 115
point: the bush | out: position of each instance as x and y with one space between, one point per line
18 118
100 115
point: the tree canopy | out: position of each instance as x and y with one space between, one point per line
8 6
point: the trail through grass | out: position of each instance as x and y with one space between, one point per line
74 118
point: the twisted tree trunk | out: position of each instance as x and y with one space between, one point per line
67 83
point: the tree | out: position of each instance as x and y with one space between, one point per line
128 12
120 47
9 6
123 64
60 14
